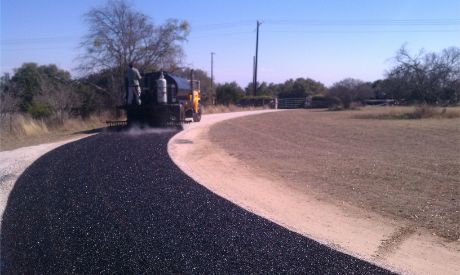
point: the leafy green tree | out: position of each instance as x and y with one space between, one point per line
228 93
39 109
301 87
263 89
27 82
291 88
42 90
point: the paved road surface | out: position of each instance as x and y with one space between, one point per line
116 203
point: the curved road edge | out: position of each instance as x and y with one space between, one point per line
345 228
14 162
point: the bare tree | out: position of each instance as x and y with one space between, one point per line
426 77
119 35
349 90
55 90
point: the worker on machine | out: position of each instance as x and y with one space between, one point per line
134 89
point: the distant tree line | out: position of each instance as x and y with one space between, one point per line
46 90
118 35
430 78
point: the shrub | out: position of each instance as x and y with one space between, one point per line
424 111
39 110
325 101
228 93
350 90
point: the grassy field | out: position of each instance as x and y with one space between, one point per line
376 158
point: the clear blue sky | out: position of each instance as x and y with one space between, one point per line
324 40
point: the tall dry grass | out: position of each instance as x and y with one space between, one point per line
20 125
17 130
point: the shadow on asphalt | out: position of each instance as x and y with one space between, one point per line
116 203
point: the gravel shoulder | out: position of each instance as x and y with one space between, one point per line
367 234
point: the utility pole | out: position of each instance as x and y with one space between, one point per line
255 65
212 76
253 70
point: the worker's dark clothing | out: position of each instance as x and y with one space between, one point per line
134 90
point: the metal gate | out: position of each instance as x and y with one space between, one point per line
291 103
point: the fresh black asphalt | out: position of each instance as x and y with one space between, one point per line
116 203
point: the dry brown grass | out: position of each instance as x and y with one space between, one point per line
404 169
417 112
18 130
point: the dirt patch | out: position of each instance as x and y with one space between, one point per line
407 170
392 243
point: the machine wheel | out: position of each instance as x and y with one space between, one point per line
197 115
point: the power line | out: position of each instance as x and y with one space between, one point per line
221 34
39 40
218 26
369 22
378 31
360 31
323 23
35 49
62 40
